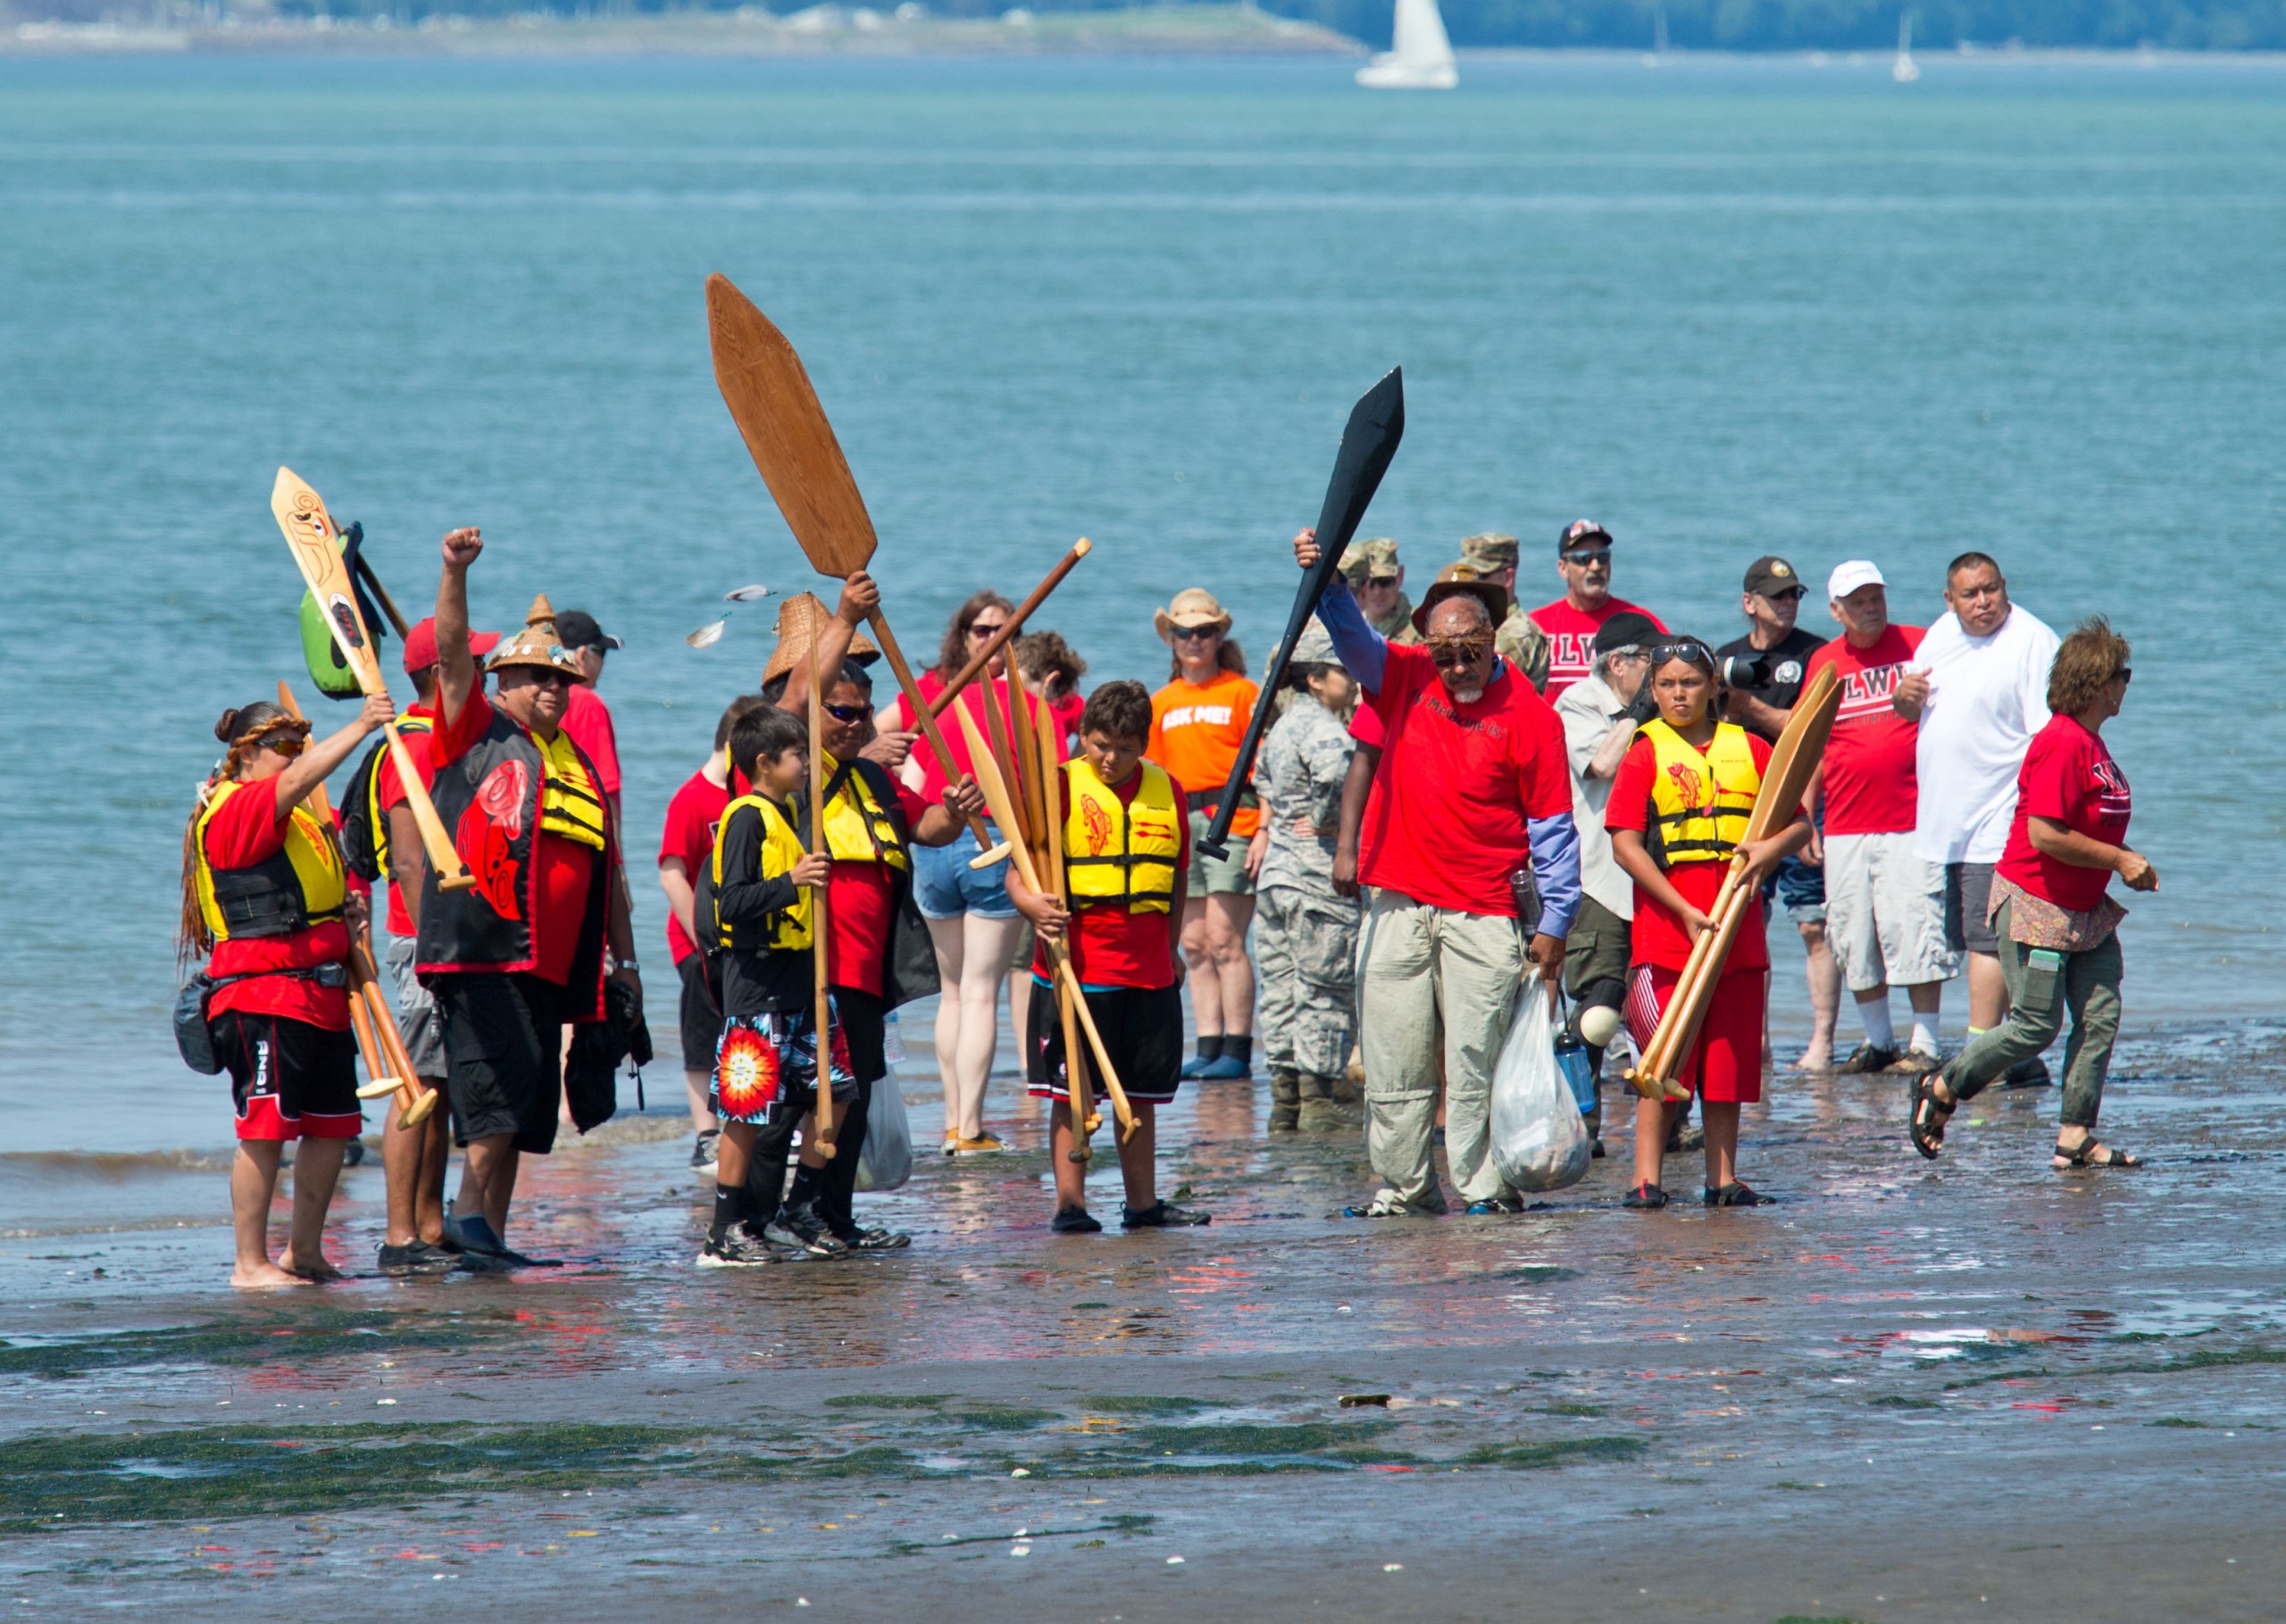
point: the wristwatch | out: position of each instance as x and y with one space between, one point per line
626 964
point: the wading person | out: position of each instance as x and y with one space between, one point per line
264 891
413 1158
1600 715
1677 817
1762 676
1197 721
1977 691
1884 903
1126 837
973 925
1468 829
2059 932
1583 562
686 842
1520 641
1306 933
523 953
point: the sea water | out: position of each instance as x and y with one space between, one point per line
1725 308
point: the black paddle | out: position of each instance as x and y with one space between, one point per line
1376 424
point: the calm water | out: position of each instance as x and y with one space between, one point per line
1725 309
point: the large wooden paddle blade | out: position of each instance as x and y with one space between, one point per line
770 399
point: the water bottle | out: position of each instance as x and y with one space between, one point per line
1572 1060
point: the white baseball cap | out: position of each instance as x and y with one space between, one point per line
1846 578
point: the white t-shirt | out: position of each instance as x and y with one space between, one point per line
1589 711
1987 698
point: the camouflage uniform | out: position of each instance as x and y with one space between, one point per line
1519 640
1305 932
1377 556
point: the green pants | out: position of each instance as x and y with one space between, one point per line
2086 987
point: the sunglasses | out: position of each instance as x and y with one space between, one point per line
1691 653
2126 675
1459 651
546 676
849 712
1196 634
1587 557
287 744
1785 595
982 629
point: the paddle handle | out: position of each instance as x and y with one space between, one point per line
1306 602
921 713
820 925
1009 628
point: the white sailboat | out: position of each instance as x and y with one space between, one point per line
1420 54
1905 69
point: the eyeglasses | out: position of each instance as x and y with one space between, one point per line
849 712
1188 634
1587 558
982 629
1691 653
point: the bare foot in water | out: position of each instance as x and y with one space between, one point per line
1817 1057
264 1276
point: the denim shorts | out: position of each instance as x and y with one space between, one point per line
945 887
1799 888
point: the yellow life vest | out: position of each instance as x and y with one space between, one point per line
377 817
1701 804
1117 851
290 890
569 802
858 829
781 849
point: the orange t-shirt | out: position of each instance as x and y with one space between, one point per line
1196 730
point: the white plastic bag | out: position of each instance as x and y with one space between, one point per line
886 1161
1538 1142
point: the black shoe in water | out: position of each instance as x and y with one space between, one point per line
734 1249
1162 1215
353 1155
1075 1221
802 1228
1735 1196
1646 1198
1865 1059
872 1240
416 1259
702 1150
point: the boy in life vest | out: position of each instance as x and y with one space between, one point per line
525 951
1127 845
1677 816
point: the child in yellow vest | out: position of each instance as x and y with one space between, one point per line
1127 845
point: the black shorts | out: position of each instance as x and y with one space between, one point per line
702 1017
1968 890
503 1037
289 1080
1142 1032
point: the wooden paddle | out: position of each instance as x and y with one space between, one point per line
382 1046
822 1117
771 401
1027 748
1004 811
1084 1119
1370 440
1784 781
310 535
1009 628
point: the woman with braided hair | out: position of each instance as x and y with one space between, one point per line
264 891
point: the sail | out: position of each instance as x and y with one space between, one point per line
1421 57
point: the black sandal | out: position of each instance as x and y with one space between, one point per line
1927 1123
1735 1194
2084 1156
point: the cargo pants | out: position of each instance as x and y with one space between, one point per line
1306 970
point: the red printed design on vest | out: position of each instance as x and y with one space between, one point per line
502 795
1099 830
1686 782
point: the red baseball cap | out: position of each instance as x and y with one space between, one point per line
420 645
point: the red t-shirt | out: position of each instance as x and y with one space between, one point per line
1067 712
2069 777
933 781
564 868
1572 637
388 789
1112 948
1871 787
1457 786
587 719
1658 936
245 829
860 900
693 817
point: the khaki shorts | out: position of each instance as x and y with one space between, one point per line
1885 913
1217 876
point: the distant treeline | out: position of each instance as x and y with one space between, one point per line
1721 25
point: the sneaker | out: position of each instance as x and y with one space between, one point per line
2027 1074
1594 1150
952 1142
1075 1221
353 1155
1646 1198
1161 1215
799 1228
734 1249
1494 1208
1389 1204
1914 1062
1687 1136
470 1236
1222 1069
702 1151
1735 1196
1865 1059
872 1240
983 1145
416 1258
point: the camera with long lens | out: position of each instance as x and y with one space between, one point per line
1746 672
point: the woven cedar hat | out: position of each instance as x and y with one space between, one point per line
798 619
536 644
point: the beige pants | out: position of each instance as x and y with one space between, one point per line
1434 980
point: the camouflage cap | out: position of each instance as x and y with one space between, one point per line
1315 646
1373 558
1490 550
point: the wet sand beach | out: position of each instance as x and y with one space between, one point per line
1975 1389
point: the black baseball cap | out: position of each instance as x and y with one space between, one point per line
577 628
1770 575
1627 629
1582 533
